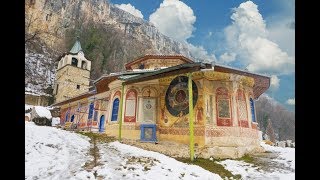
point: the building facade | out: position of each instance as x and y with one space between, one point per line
150 102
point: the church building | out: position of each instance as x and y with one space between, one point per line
149 102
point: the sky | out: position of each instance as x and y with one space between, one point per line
257 35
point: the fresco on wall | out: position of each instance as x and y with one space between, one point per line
149 111
131 103
223 108
177 96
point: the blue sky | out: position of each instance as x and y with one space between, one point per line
258 35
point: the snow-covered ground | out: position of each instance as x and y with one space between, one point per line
52 153
282 165
57 154
122 161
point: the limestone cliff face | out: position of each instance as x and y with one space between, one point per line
54 17
48 24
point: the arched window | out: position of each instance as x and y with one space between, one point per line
74 62
90 111
72 118
242 109
252 110
67 116
223 102
83 65
131 106
115 109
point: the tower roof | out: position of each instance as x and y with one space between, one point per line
76 47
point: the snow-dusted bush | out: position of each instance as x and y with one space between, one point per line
42 121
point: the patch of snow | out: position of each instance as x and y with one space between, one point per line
117 157
55 121
286 156
43 112
52 153
36 93
249 171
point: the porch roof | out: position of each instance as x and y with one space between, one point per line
170 71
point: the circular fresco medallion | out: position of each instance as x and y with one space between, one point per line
177 96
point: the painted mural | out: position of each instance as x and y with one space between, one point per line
177 96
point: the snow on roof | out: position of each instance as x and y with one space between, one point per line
34 93
43 112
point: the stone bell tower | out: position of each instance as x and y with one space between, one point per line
73 74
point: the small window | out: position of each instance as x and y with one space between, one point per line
74 62
67 116
91 106
72 118
48 17
83 65
141 66
78 86
252 110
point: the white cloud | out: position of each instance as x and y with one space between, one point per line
291 101
130 9
248 37
201 54
174 19
274 82
282 31
227 57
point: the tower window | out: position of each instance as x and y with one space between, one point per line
78 86
32 2
83 65
74 62
48 17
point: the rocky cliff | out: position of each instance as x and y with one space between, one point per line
110 37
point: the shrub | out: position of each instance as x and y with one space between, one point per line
42 121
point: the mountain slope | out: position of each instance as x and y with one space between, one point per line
110 36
